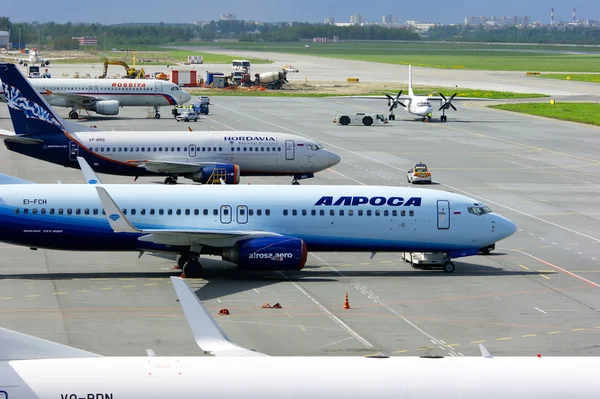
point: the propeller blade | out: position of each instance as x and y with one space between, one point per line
444 97
401 104
453 107
451 98
443 105
398 96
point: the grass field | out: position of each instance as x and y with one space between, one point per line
441 55
587 77
155 56
574 112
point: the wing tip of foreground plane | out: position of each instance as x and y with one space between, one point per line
116 219
88 173
206 331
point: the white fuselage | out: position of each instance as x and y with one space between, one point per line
301 377
419 105
128 92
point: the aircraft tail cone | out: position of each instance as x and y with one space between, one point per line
346 303
224 312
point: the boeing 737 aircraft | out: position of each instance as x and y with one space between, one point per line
106 96
420 105
255 227
204 157
33 368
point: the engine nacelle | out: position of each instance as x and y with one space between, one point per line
107 107
21 62
268 253
229 173
46 62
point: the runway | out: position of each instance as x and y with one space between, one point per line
537 293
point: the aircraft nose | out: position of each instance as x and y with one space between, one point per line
333 159
185 97
505 227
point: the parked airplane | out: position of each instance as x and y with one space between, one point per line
201 156
33 58
420 105
255 227
106 96
31 367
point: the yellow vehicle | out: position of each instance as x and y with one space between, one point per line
130 72
419 174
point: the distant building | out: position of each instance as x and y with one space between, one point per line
86 40
356 19
228 17
525 21
388 19
4 35
329 20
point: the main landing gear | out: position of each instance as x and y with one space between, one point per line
157 112
448 266
295 182
443 118
392 116
171 180
73 114
190 265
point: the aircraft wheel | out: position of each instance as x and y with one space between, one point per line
192 268
157 116
448 267
170 180
182 259
73 115
295 182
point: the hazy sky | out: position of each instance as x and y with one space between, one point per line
445 11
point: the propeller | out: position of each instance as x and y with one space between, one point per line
447 102
393 102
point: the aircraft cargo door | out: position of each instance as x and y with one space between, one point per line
289 150
443 211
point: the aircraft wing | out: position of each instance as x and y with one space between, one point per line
174 166
18 346
371 97
78 99
207 237
438 98
206 331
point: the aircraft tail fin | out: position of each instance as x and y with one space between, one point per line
410 90
31 115
208 334
17 346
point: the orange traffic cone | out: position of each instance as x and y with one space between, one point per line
277 306
346 303
224 312
266 305
182 275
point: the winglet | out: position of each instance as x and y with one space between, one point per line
116 219
17 346
88 172
484 352
206 331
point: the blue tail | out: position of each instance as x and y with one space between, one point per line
31 115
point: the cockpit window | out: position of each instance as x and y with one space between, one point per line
423 104
479 210
314 147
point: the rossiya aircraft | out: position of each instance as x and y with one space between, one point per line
106 96
31 367
204 157
33 58
256 227
420 105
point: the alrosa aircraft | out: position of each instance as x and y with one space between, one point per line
420 105
201 156
31 367
34 57
106 96
255 227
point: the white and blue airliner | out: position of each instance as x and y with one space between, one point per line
203 157
255 227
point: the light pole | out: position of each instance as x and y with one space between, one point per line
38 37
19 29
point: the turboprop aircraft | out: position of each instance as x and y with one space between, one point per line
31 368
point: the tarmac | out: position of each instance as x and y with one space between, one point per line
536 293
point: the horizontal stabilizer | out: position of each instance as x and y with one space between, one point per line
6 179
18 346
9 136
206 331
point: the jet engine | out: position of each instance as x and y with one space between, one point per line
46 62
20 62
212 174
107 107
268 253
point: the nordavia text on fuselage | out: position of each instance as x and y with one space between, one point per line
106 96
256 227
200 156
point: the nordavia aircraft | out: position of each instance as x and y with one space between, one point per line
200 156
106 96
255 227
31 367
420 105
33 58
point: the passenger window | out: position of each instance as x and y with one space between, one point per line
245 149
130 149
60 211
313 212
95 211
85 211
262 149
133 212
279 149
161 211
178 148
350 212
267 212
402 213
154 149
151 211
184 149
238 148
52 211
226 211
107 149
215 212
143 149
377 212
369 212
259 212
304 212
172 149
341 212
34 211
137 149
160 149
169 211
360 212
220 148
250 212
69 211
386 213
394 213
322 212
203 148
124 211
331 212
43 211
119 149
196 212
149 149
103 212
187 212
232 149
285 212
268 149
78 211
142 212
411 213
294 212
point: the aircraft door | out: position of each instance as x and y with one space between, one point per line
443 211
289 150
192 150
73 151
3 395
242 214
158 89
93 89
225 212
